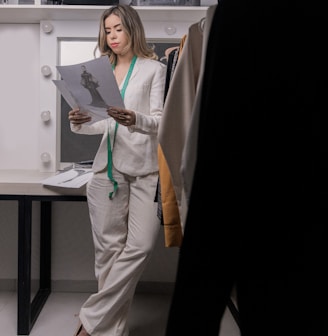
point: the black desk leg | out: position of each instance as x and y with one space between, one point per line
45 262
29 311
24 266
45 246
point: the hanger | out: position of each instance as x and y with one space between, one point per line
201 24
167 53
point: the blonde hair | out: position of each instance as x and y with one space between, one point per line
132 26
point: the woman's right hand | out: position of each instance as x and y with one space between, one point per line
77 118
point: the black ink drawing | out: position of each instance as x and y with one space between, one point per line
89 82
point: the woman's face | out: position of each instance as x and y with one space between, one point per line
117 39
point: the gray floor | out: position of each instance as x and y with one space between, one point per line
59 316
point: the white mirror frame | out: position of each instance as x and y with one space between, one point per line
49 133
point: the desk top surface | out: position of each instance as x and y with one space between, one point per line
29 182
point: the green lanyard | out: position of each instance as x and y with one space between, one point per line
110 156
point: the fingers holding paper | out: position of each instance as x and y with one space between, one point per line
122 116
77 117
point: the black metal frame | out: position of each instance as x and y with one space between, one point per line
27 310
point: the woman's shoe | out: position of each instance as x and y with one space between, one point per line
81 331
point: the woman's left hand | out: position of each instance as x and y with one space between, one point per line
122 116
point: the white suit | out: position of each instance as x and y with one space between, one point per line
125 229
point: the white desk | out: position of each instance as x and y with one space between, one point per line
28 182
25 187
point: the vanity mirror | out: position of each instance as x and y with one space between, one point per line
66 42
76 147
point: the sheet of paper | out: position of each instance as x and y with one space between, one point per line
96 114
62 87
72 178
92 85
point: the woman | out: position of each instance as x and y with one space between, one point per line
121 193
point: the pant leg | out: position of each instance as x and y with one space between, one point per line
125 231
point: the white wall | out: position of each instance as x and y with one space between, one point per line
72 250
19 92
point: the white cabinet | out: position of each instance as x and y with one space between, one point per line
36 13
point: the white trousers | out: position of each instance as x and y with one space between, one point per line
125 230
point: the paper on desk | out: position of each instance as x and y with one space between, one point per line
91 85
72 178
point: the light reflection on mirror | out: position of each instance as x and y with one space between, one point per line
77 51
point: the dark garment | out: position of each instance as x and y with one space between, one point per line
171 64
257 207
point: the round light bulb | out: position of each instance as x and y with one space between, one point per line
170 30
46 70
45 116
47 27
45 157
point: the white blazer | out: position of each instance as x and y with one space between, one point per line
134 151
